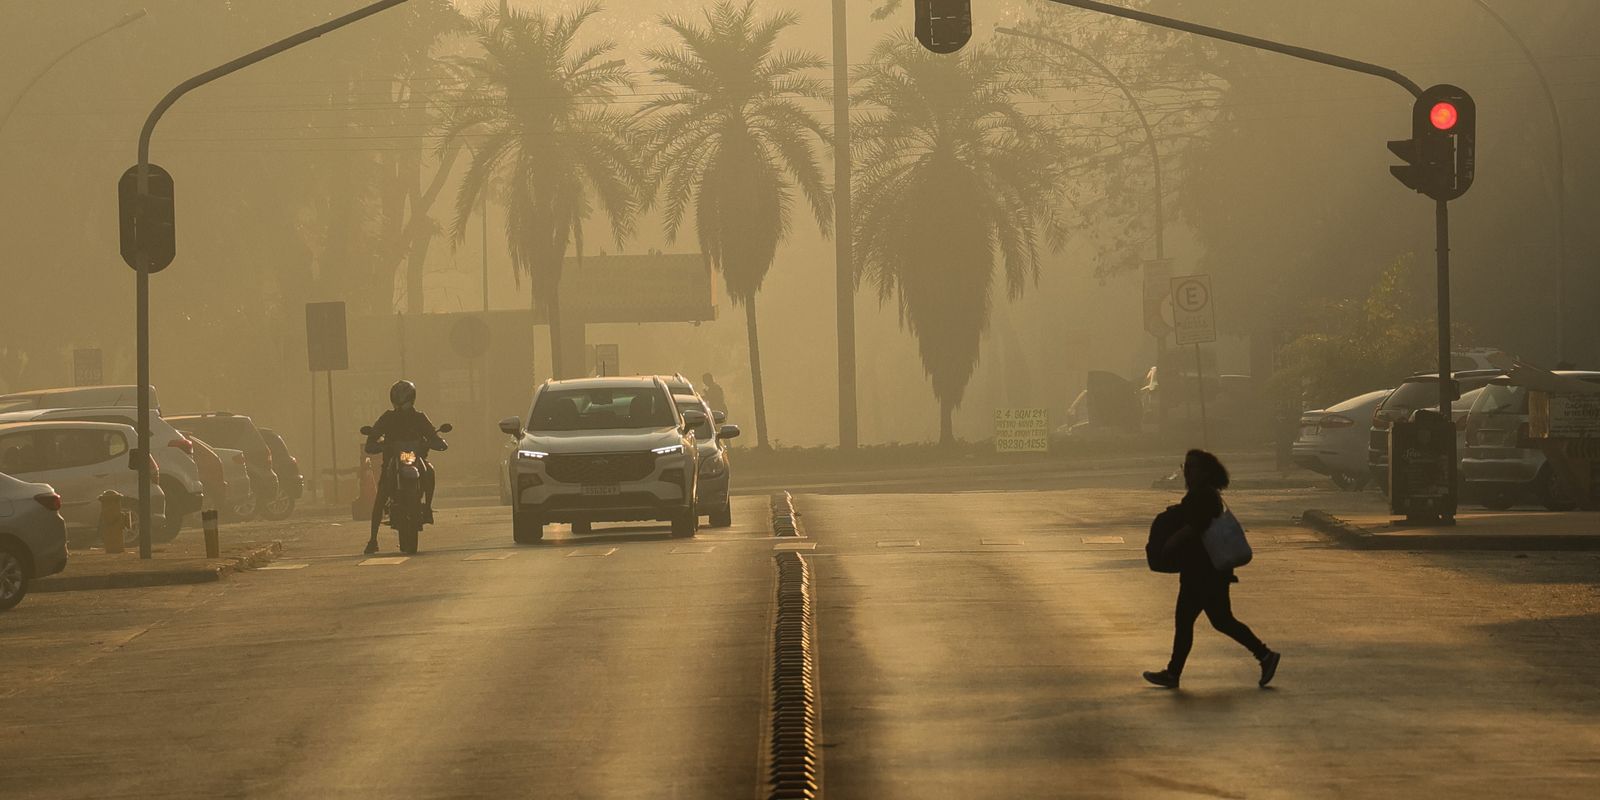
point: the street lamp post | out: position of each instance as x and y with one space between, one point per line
1561 179
126 19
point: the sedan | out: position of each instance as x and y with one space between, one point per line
1333 441
33 537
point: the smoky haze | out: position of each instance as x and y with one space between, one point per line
294 178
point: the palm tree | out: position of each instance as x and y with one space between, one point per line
535 112
955 181
731 140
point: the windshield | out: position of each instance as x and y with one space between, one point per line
1498 399
601 409
1413 395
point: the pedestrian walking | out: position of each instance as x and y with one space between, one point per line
712 392
1177 544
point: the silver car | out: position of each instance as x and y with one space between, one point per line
1333 440
81 460
710 437
1496 468
33 537
603 450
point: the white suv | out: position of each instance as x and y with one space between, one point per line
603 450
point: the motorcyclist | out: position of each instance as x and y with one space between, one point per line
403 423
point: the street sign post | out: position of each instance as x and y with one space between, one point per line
1194 321
327 351
88 367
606 360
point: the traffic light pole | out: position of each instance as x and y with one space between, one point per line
142 295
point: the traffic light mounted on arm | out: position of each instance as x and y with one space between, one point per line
1441 155
943 26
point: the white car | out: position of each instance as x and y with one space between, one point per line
174 454
603 450
76 397
1333 441
81 460
33 539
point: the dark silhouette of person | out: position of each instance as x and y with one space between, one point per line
403 423
713 393
1202 587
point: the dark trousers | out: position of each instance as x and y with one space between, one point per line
1212 598
380 502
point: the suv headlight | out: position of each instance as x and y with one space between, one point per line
713 467
531 455
672 449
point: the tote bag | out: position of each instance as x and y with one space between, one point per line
1225 543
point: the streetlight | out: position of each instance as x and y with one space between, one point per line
1561 180
127 18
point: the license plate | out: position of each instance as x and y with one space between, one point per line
601 490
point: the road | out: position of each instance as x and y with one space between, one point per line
617 667
972 644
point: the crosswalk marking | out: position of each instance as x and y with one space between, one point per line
384 561
591 552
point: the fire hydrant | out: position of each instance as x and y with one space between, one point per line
114 521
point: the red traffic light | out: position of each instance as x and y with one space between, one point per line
1444 116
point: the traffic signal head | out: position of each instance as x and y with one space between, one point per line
1441 155
943 26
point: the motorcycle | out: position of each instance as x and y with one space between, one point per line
403 463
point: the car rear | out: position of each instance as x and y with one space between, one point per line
33 536
1495 464
236 432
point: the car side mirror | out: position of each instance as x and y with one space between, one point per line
512 426
446 428
719 417
366 430
693 419
728 432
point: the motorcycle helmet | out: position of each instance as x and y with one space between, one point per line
403 394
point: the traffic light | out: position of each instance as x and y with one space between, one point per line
146 221
1441 155
944 26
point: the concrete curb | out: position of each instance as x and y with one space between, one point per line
208 572
1355 536
785 520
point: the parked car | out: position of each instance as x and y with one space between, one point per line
81 460
1333 440
237 432
1418 391
603 450
240 496
710 437
213 475
291 483
76 397
33 537
1499 471
174 454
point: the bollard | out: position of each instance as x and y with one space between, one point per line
208 520
113 522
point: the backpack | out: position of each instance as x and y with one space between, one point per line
1162 528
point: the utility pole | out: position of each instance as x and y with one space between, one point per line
844 263
126 19
144 173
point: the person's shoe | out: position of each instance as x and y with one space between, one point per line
372 547
1269 667
1164 679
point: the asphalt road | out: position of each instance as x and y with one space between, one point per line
989 645
972 644
618 666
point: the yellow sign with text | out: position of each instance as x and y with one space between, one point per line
1022 430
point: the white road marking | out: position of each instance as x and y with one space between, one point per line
1102 540
788 547
591 552
899 543
488 556
283 566
384 561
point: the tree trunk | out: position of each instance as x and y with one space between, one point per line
755 371
947 424
558 362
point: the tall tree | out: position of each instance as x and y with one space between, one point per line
955 181
732 141
535 111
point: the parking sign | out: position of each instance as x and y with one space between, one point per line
1194 318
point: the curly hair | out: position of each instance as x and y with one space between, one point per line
1204 470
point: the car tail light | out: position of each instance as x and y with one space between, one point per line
1336 421
49 500
182 444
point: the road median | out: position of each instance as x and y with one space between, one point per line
1524 531
91 571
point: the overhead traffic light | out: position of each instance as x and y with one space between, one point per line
1441 154
943 26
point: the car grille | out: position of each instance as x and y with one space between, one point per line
600 468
